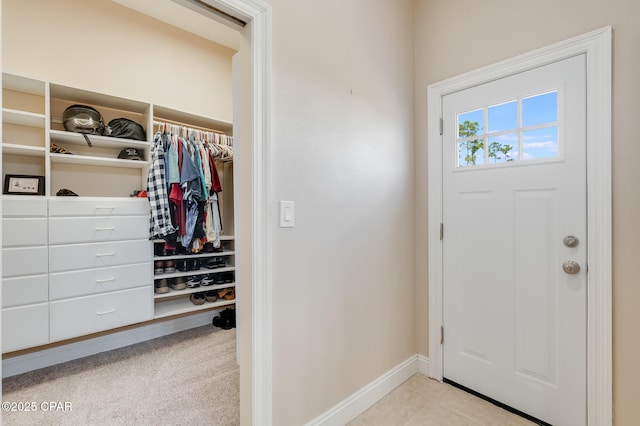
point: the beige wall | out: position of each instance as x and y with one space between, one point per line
101 46
343 280
455 37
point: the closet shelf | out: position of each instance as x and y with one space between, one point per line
64 137
201 271
183 306
98 161
177 293
26 150
195 256
23 118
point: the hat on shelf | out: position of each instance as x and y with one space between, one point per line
130 154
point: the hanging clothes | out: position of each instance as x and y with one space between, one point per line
160 225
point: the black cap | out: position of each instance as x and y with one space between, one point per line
130 154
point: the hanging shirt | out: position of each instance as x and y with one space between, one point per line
160 219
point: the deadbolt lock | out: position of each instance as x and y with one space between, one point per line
571 241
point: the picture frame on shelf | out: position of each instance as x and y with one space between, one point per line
23 185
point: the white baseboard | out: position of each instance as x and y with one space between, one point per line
359 402
45 358
423 365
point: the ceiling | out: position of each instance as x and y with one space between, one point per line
172 13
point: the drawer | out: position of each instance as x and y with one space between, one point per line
20 232
97 255
25 290
98 206
25 327
24 206
90 314
64 230
24 261
64 285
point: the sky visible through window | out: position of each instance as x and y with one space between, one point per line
507 137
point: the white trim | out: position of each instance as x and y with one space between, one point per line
48 357
357 403
423 365
596 45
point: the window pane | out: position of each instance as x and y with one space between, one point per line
470 123
540 109
503 117
503 148
540 143
470 153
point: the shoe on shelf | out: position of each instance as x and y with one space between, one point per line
197 298
207 280
193 264
178 283
182 265
158 267
169 266
161 286
215 262
211 296
226 319
227 277
218 278
194 281
226 294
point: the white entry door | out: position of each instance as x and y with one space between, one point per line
514 246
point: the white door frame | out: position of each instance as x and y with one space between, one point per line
596 45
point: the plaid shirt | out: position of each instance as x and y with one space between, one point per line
160 219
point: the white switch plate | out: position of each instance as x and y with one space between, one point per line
287 214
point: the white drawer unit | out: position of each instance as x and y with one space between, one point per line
64 285
25 290
21 206
90 314
25 326
21 232
98 206
98 255
65 230
24 261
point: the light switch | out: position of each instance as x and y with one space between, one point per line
287 214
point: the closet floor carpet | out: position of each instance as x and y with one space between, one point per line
187 378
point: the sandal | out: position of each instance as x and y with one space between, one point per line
58 149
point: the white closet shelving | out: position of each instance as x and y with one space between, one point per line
32 124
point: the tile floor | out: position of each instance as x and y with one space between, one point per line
425 402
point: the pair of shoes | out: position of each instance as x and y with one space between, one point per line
215 262
194 281
161 286
200 297
226 320
186 265
161 249
209 248
227 294
177 283
164 267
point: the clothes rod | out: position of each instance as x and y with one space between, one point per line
186 126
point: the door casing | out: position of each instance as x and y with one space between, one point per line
596 46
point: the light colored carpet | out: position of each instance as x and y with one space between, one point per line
187 378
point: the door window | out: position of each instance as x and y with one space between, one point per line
515 130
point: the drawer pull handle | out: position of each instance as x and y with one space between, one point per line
106 280
105 207
110 311
111 228
105 254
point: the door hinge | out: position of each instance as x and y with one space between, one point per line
442 335
441 126
441 231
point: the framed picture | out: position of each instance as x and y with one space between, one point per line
23 185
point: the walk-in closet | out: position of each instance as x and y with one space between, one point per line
118 244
